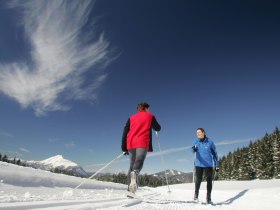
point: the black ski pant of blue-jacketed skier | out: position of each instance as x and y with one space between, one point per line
199 175
137 157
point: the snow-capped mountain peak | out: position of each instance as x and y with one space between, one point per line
58 161
184 177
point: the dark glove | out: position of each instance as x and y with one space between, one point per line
123 147
217 169
194 148
125 153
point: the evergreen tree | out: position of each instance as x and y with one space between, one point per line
260 159
245 171
18 162
236 164
223 170
228 168
261 163
276 152
269 157
230 163
252 155
5 158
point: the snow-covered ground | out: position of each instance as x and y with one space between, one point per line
27 188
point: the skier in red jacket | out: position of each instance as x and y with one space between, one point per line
137 141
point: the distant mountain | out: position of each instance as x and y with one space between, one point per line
58 164
175 176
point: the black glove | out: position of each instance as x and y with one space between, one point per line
217 169
125 153
123 147
194 148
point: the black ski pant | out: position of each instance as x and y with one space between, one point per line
137 157
199 175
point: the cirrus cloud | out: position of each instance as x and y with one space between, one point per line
24 150
63 51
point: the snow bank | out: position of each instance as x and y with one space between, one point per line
29 177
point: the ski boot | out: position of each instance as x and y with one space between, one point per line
208 199
195 198
133 182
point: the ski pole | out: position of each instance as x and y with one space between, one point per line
214 178
214 167
162 160
101 169
194 158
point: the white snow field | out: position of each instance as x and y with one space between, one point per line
26 188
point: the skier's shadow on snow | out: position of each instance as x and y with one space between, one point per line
229 201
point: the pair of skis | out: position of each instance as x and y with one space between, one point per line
133 199
131 195
204 203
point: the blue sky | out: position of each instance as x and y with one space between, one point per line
71 73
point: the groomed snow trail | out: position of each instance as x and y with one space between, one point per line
149 199
26 188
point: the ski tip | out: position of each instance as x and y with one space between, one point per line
130 195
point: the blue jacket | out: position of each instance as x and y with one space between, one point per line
206 153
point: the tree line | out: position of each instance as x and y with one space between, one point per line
259 160
143 179
5 158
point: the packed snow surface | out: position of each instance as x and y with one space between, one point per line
28 188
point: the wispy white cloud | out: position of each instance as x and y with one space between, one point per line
154 154
173 150
168 151
71 144
24 150
4 133
52 140
94 167
178 149
89 150
183 160
62 53
228 142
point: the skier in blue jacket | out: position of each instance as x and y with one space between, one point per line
206 154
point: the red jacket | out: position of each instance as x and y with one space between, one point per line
138 131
